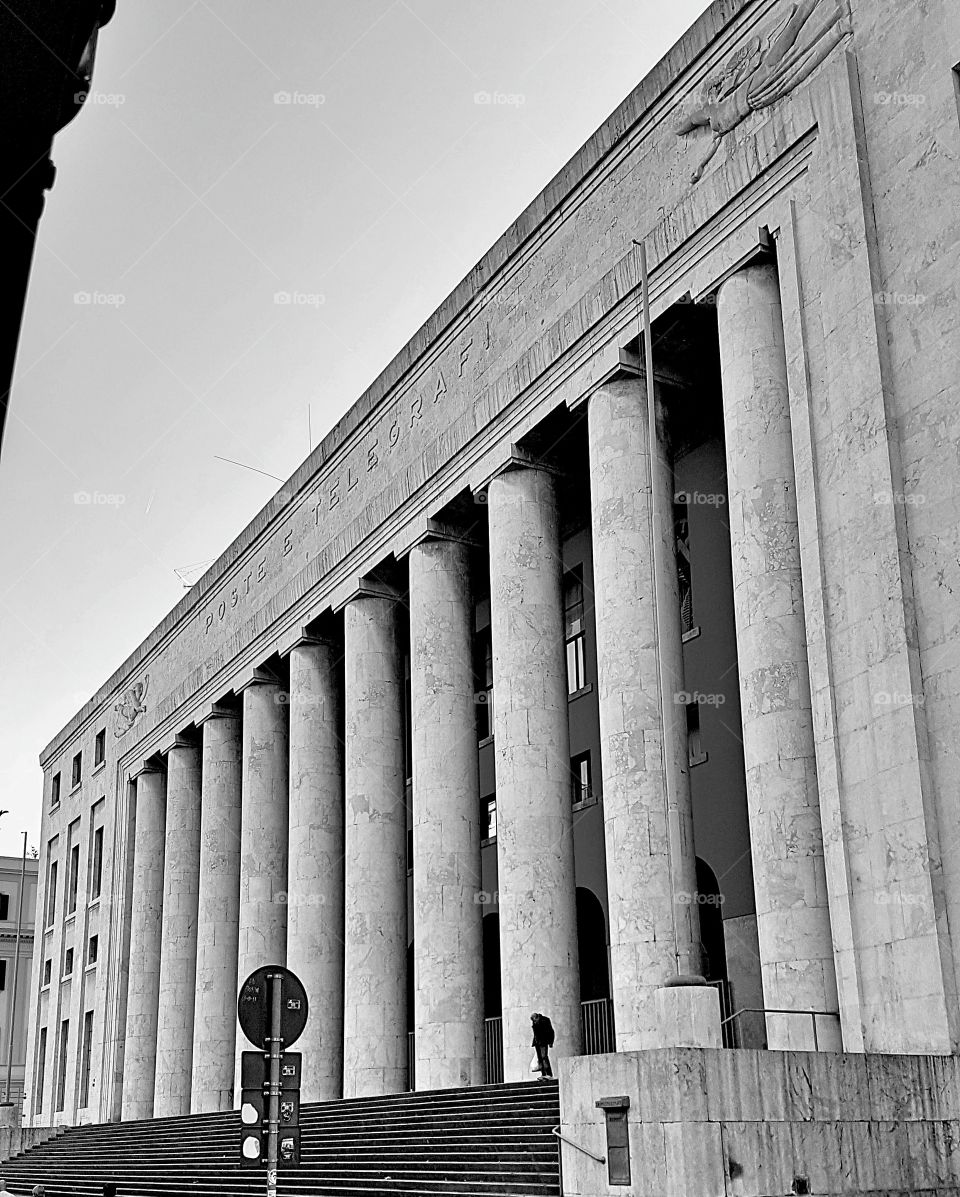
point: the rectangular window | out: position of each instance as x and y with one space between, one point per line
52 893
68 963
695 753
76 773
85 1056
41 1071
62 1065
74 877
93 949
490 832
3 974
96 865
100 747
47 971
575 630
582 778
55 790
4 907
681 523
483 668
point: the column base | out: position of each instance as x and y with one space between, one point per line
688 1014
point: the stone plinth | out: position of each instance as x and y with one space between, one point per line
688 1016
375 953
448 937
215 1017
143 985
315 862
538 922
793 921
646 820
178 955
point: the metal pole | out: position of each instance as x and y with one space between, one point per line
16 971
273 1100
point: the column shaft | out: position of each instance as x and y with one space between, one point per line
143 986
538 921
792 915
315 884
448 936
215 1017
648 826
375 954
178 954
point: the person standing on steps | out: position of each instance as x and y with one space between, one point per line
543 1039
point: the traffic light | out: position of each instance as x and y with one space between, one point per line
289 1150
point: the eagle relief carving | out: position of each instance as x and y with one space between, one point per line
766 69
131 706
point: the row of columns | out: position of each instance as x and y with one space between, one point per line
278 842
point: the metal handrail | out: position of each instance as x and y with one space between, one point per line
813 1014
601 1159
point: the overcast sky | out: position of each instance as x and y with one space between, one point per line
189 196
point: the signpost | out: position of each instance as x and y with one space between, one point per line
272 1008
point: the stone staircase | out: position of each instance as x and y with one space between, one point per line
494 1141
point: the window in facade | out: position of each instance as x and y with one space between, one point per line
96 865
695 752
575 630
55 790
93 949
484 676
47 971
86 1052
68 962
582 778
100 747
52 893
681 522
62 1065
3 975
4 907
41 1071
490 826
74 877
76 773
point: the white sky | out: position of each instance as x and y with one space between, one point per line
186 198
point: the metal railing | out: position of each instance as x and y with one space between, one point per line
601 1159
728 1027
596 1022
813 1015
411 1061
493 1039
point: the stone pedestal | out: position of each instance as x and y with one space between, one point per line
375 953
143 984
793 921
538 920
688 1016
215 1017
178 954
651 865
448 936
315 862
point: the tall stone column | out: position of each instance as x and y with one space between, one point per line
265 830
793 923
178 953
315 884
375 953
215 1010
538 917
648 821
143 985
448 935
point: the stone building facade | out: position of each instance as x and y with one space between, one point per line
515 698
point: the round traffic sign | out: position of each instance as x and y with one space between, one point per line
255 1006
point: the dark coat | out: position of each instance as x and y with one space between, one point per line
543 1033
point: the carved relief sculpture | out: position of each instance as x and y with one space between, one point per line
766 69
131 706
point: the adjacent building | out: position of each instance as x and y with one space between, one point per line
16 967
521 696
